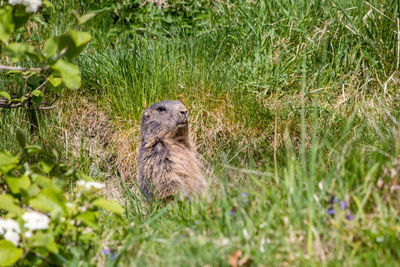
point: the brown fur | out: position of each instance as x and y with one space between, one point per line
168 164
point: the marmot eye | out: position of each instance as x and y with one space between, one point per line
161 109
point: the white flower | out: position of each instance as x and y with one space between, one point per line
35 220
30 5
95 185
81 183
9 225
12 237
28 234
10 230
90 185
33 5
82 209
15 2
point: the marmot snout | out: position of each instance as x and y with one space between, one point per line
168 163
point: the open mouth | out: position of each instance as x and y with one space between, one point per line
182 124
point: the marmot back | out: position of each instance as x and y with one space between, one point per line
168 163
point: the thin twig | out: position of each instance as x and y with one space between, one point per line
5 67
4 103
10 105
27 105
44 108
43 84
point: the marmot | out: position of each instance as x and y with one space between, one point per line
168 163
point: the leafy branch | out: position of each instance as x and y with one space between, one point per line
58 72
39 217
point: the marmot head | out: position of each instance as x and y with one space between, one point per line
168 117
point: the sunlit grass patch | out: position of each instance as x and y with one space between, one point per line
294 108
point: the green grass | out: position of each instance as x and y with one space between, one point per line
293 102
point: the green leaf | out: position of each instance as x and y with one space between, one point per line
18 50
89 218
37 96
40 21
45 240
18 183
37 93
63 41
33 190
74 42
80 38
46 167
48 4
7 162
76 15
49 200
43 181
9 254
20 16
7 202
55 81
110 205
21 139
8 158
70 73
16 72
83 19
33 149
50 47
6 23
6 95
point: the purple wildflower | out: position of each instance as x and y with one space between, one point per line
196 222
244 194
334 200
114 256
331 211
106 251
231 213
342 204
350 217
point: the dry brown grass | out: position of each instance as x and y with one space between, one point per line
91 132
113 145
114 148
87 127
215 127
